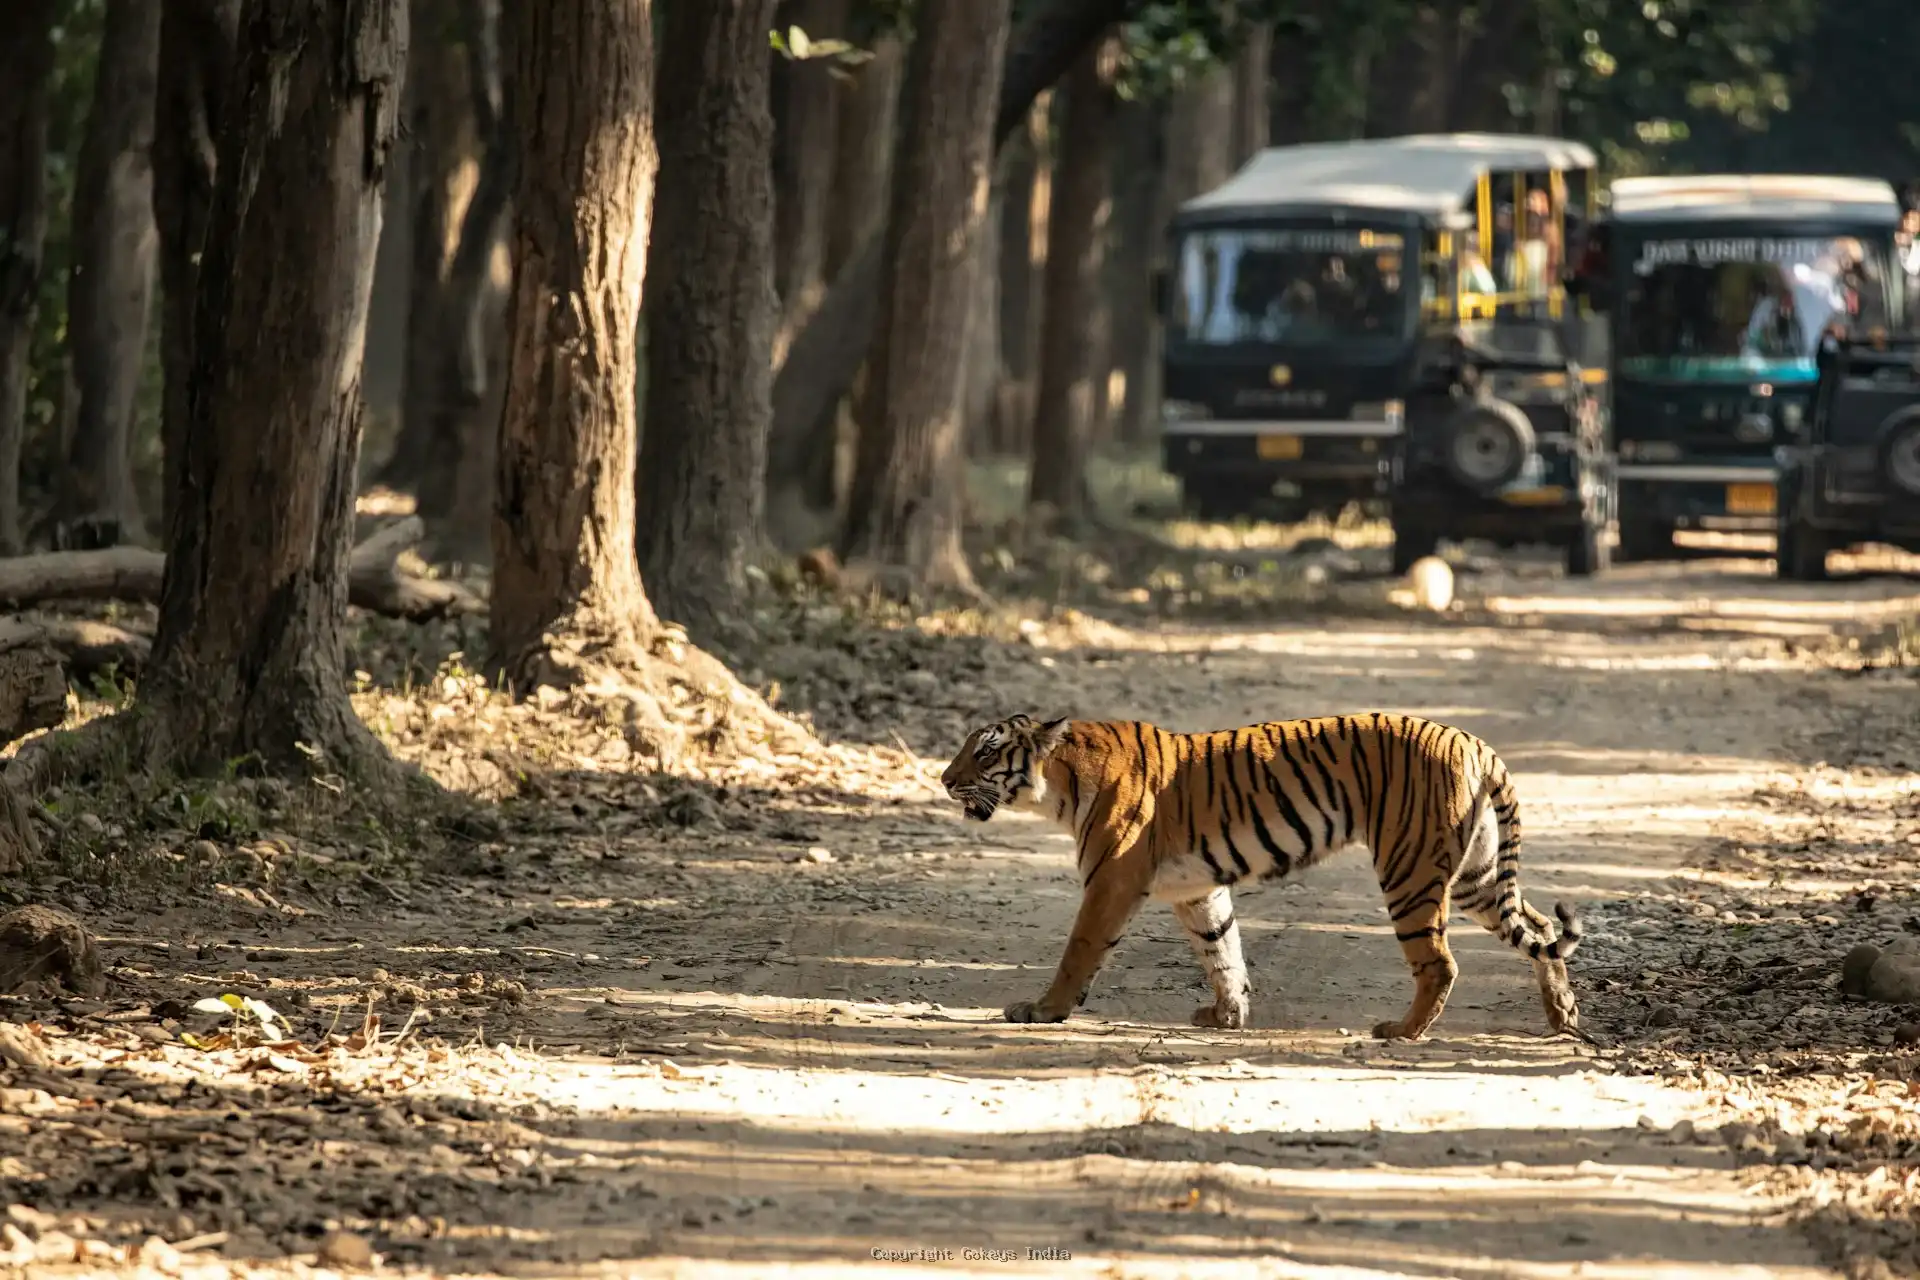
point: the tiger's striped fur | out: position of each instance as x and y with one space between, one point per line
1183 817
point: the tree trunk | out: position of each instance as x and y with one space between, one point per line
908 485
196 57
980 377
802 474
1200 137
865 119
803 158
110 290
441 155
1290 84
710 314
828 351
1073 346
1022 184
1138 247
247 659
564 562
26 67
1252 75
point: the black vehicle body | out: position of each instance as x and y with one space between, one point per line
1718 290
1455 403
1851 475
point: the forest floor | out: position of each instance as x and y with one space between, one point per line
747 1023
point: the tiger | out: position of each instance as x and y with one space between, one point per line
1184 817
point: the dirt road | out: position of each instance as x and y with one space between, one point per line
766 1042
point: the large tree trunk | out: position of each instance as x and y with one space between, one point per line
1138 247
110 290
827 352
1026 177
803 158
980 373
564 563
26 66
196 58
710 314
1073 341
248 656
908 487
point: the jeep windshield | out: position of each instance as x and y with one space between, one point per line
1291 287
1736 308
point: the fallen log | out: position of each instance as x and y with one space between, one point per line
374 580
87 647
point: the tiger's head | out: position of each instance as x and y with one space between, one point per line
1002 763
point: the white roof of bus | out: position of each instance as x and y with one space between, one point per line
1716 197
1430 173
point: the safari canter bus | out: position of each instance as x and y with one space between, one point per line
1719 288
1386 318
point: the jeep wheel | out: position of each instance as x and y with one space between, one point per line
1645 540
1588 554
1800 553
1410 544
1487 445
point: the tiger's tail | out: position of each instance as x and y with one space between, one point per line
1516 927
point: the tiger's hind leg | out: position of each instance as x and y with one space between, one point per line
1419 915
1215 936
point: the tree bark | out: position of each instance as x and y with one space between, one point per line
710 314
1252 74
804 143
908 488
564 562
110 289
827 352
980 373
1138 247
247 659
196 58
26 67
1073 341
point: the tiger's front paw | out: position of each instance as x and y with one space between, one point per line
1031 1011
1228 1014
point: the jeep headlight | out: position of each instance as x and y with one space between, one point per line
1792 414
1172 411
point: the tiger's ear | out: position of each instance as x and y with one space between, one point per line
1051 735
1020 720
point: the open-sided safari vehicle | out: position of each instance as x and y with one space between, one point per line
1851 474
1385 319
1718 288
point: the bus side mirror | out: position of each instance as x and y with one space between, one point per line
1159 289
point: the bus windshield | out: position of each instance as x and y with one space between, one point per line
1740 307
1290 286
